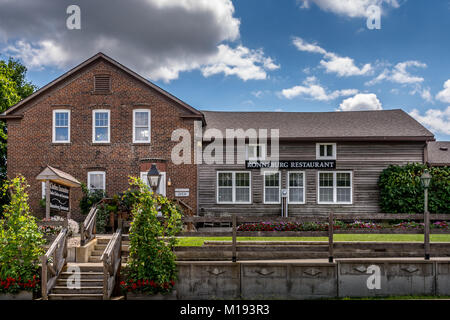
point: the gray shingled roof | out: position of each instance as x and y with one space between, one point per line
439 153
350 125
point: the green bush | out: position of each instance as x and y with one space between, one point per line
151 265
401 190
20 241
90 198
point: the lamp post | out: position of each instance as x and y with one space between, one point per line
425 179
153 177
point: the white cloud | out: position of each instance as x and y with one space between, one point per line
313 90
434 119
361 101
180 35
349 8
399 74
333 63
444 95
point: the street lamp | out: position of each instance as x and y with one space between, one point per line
425 179
153 177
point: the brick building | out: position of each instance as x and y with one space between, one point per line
100 122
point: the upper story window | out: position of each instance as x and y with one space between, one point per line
61 126
102 83
256 152
101 126
326 151
335 187
272 185
96 180
141 126
233 187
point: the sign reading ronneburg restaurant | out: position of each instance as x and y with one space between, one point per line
291 164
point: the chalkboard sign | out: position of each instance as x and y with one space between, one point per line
59 197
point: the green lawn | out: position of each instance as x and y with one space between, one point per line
198 241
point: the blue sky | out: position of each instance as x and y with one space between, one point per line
261 55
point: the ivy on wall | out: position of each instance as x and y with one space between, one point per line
401 190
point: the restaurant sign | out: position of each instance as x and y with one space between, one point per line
291 164
59 197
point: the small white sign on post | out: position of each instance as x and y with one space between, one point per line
181 192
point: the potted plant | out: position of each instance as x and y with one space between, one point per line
20 245
151 271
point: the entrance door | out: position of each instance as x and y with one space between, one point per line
162 184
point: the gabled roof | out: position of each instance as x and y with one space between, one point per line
8 114
438 153
322 126
58 176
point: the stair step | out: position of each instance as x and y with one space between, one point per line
86 267
95 259
82 290
100 247
97 252
82 275
53 296
103 241
97 282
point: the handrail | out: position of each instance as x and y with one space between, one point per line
112 260
88 226
58 252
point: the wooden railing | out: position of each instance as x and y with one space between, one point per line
236 220
87 230
112 260
53 262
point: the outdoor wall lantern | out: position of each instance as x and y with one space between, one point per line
425 179
153 177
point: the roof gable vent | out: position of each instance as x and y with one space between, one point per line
102 83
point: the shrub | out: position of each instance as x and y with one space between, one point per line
401 190
20 241
151 265
90 198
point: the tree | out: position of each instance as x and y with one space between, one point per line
13 88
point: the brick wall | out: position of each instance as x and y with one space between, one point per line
30 146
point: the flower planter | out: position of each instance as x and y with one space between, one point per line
142 296
21 295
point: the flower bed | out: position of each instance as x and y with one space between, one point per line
12 285
338 225
147 286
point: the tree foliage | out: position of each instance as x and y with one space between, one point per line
20 240
401 190
151 266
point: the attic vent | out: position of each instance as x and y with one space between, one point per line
102 84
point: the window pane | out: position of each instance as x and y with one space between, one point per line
272 180
242 179
296 195
343 179
141 119
101 134
326 194
326 179
61 134
225 194
295 179
101 119
322 150
96 181
343 194
225 179
329 150
272 195
141 134
242 194
61 119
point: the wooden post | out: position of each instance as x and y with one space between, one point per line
330 236
44 277
427 227
234 238
82 234
47 199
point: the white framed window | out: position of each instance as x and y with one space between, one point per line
101 126
233 187
255 152
326 151
61 126
296 187
335 187
141 125
162 184
96 180
272 185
